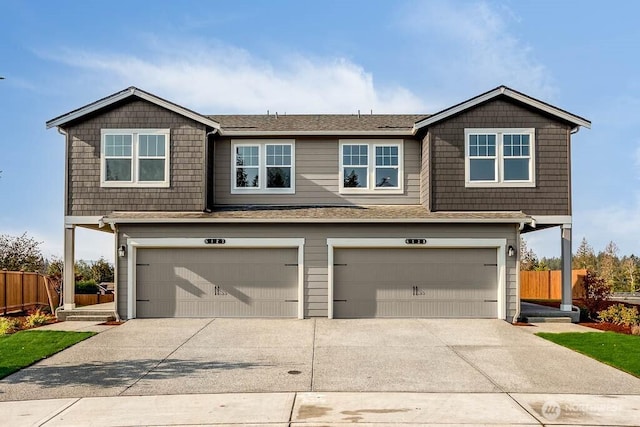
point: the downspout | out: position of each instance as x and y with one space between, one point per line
65 209
209 187
519 229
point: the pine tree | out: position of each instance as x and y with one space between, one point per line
585 257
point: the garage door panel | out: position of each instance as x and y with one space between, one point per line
374 282
226 282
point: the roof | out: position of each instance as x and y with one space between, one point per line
510 93
330 214
325 124
122 95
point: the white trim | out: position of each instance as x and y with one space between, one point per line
169 242
552 219
132 91
526 220
502 90
499 244
376 133
499 158
262 166
371 145
135 158
82 220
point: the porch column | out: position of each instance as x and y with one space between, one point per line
69 277
565 257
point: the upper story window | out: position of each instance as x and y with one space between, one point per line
134 158
266 166
499 157
371 166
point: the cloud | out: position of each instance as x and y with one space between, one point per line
472 46
217 78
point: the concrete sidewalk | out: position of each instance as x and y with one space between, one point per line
328 409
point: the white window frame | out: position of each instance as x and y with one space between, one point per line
371 166
262 166
135 158
499 157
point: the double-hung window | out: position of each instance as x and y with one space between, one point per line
134 158
263 167
371 166
499 157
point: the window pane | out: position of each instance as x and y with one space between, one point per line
279 177
482 170
247 178
278 155
355 155
144 146
385 157
151 170
117 145
516 169
247 156
386 177
118 170
355 178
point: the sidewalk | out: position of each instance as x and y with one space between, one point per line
309 408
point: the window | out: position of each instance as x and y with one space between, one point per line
263 167
499 157
135 158
370 166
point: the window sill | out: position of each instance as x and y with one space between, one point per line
500 184
255 191
135 185
368 192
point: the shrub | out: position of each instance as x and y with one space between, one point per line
86 287
597 292
584 314
8 325
635 330
37 318
619 314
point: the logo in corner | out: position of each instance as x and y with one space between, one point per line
551 410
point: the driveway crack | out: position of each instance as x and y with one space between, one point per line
165 358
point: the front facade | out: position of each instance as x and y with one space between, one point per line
339 216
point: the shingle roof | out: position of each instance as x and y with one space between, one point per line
318 122
395 213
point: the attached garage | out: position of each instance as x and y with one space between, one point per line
438 279
194 279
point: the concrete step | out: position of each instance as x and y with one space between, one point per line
535 319
90 318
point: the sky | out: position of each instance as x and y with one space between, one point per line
324 56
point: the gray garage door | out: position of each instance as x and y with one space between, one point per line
217 282
415 283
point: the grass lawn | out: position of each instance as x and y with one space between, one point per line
618 350
27 347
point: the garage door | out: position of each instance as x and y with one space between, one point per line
415 283
217 282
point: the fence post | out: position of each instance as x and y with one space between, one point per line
22 290
4 273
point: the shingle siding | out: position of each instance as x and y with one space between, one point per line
550 196
186 190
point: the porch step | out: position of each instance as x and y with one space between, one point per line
534 319
90 318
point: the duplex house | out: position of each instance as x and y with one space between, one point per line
339 216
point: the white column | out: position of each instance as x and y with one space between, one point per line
565 257
69 277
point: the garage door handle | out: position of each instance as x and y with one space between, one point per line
339 300
143 300
291 300
491 300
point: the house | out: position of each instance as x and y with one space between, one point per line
338 216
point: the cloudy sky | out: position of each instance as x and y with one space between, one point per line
321 57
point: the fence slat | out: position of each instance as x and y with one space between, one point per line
20 290
548 284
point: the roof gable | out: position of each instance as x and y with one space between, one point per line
128 93
510 93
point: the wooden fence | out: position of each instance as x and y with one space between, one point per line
91 299
22 290
548 284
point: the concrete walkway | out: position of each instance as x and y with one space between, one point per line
328 409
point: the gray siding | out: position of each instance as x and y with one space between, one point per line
425 170
315 251
317 168
549 197
186 191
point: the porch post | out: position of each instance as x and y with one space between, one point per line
567 293
69 285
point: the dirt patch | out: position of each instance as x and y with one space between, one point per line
312 411
112 323
606 326
522 324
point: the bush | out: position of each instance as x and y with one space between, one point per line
37 318
86 287
584 314
635 330
597 292
620 314
9 325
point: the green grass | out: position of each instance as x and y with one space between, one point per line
25 348
618 350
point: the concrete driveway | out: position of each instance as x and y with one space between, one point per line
185 356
